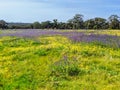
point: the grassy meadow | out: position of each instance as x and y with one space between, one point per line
59 60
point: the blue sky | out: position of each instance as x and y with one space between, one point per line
42 10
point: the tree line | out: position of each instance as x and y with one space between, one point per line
77 22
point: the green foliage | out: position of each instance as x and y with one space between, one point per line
36 25
114 22
46 24
96 23
77 22
55 63
65 67
41 52
3 24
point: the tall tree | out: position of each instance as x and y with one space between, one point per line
62 25
46 24
55 23
3 24
76 21
100 23
96 23
114 22
89 24
36 25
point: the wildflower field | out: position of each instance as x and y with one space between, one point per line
59 60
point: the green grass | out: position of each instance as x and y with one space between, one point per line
55 63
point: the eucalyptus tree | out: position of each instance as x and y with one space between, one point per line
55 23
96 23
100 23
89 24
46 24
77 21
36 25
114 22
3 24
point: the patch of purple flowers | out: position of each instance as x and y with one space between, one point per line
29 33
105 40
75 36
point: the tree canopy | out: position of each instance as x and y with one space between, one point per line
77 22
3 24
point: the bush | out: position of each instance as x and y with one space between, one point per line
65 68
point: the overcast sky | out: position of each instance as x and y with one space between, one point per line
42 10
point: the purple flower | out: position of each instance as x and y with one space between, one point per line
75 36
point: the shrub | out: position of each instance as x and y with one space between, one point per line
65 67
41 52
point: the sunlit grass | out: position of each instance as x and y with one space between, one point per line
109 32
56 63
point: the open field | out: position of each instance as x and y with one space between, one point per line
59 60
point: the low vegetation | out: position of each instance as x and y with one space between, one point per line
57 60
